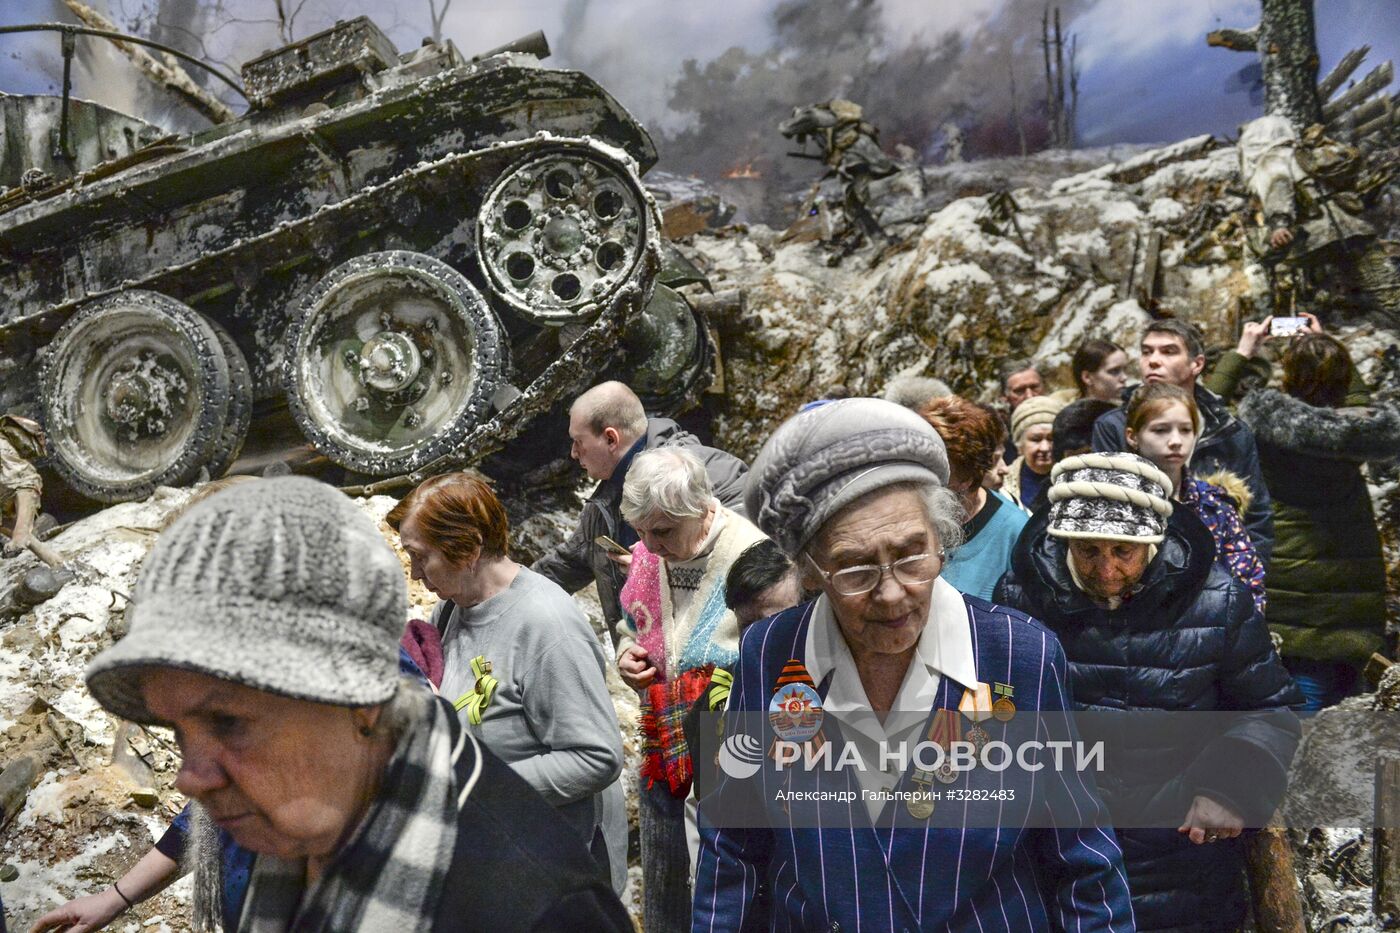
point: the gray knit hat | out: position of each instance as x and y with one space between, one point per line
283 585
1118 497
825 458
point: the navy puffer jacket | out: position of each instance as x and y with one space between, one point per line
1188 639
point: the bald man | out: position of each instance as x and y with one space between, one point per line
608 427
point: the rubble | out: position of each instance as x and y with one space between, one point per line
85 795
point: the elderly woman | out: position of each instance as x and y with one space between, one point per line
1033 432
676 630
855 491
264 631
521 664
1150 620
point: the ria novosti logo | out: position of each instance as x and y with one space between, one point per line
740 756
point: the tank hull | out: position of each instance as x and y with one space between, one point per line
240 224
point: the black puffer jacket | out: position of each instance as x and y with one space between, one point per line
1187 640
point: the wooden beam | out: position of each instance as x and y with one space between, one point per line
1365 113
15 781
1377 79
1376 666
1151 261
1338 76
1383 122
1273 882
1385 847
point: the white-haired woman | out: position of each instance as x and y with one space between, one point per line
676 629
890 658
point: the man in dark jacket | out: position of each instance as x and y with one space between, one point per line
609 427
1172 351
1151 621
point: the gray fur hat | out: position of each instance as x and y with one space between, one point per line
823 459
1118 497
283 585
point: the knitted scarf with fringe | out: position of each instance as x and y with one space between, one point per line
665 753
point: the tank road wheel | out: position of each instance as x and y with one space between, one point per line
392 362
240 406
559 234
135 393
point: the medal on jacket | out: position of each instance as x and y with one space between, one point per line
795 711
1003 709
920 801
976 705
945 730
475 700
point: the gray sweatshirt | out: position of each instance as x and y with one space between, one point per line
551 718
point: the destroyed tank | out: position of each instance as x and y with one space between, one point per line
416 255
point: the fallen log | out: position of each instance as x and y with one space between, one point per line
1273 882
1377 79
1338 76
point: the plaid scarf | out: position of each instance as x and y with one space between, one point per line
390 874
665 754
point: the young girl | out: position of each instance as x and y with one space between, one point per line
1163 425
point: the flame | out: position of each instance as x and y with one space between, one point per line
744 171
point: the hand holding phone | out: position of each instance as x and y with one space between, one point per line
608 544
1288 326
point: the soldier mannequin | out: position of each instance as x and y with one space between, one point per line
1309 229
21 440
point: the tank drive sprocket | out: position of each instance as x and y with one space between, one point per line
559 233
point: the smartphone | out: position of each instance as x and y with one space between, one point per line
1287 326
608 544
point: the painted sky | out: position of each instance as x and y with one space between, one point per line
1147 73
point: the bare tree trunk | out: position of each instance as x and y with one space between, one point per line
1288 49
438 16
1016 108
1062 131
1073 92
1052 118
168 74
1286 40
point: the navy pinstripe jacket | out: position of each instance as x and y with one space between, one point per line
904 878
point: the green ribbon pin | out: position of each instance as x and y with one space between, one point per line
479 697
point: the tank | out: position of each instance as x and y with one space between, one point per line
416 255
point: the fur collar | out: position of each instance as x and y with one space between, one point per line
1358 434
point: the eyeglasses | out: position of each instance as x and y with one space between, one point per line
854 581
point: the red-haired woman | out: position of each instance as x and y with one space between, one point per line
974 436
521 663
